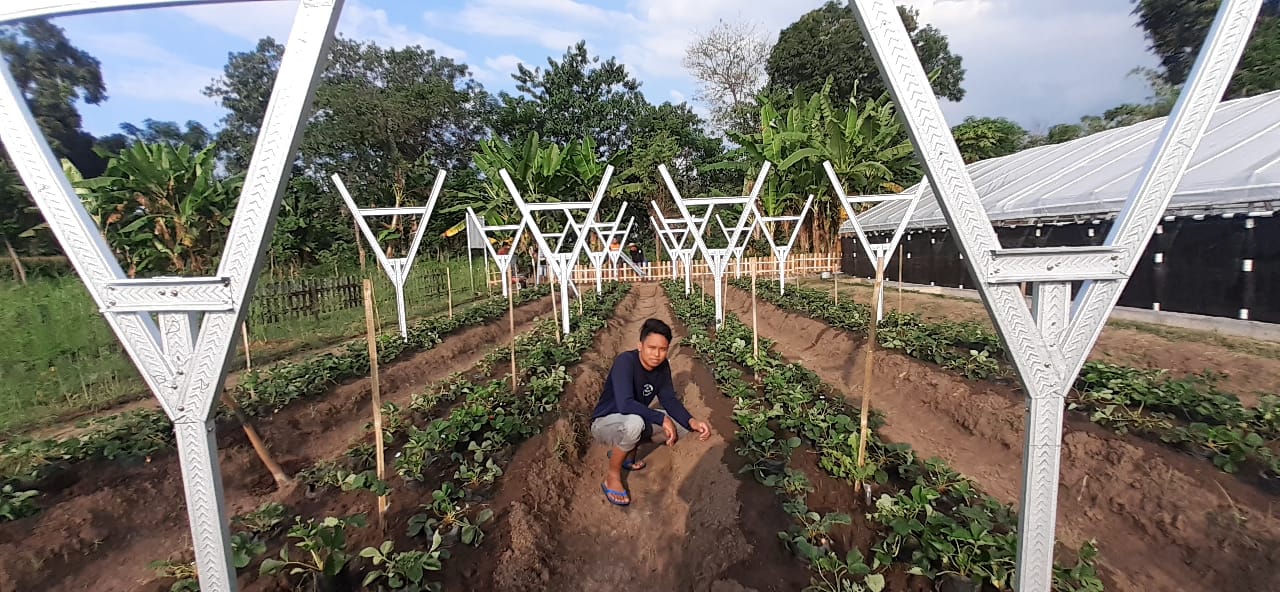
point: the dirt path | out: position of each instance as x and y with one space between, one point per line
103 528
1163 520
692 524
1249 367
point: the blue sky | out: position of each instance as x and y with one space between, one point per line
1038 62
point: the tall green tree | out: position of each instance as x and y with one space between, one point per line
828 42
193 134
576 96
1176 30
980 138
863 139
244 91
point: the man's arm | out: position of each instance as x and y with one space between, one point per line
623 377
671 404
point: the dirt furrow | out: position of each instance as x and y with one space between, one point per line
692 525
101 531
1163 521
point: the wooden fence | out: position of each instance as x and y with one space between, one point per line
310 297
798 265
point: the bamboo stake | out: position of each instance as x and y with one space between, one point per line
555 308
282 480
511 320
868 365
901 250
448 283
835 292
375 388
755 331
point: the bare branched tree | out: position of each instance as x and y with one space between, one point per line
729 63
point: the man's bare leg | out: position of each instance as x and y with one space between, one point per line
614 479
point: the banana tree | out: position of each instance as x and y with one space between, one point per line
865 142
162 208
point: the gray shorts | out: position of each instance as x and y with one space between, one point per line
624 430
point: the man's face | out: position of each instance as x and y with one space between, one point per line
653 351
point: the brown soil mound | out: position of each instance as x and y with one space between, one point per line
692 524
1163 520
112 519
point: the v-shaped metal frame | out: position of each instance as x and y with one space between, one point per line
741 249
676 247
717 258
183 357
782 251
616 255
879 253
503 261
397 268
561 263
1049 341
604 232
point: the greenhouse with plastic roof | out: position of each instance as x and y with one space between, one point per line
1217 252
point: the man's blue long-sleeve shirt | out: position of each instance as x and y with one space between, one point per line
630 389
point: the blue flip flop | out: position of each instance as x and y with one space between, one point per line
608 492
627 464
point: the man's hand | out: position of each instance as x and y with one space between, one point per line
669 426
703 428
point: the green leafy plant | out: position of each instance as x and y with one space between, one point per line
324 545
404 570
15 504
263 520
183 572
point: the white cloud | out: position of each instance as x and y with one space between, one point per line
137 67
497 70
677 96
249 21
275 19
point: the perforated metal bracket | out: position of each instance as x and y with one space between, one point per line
561 263
397 269
717 258
169 295
1049 344
183 358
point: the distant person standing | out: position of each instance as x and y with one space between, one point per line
636 254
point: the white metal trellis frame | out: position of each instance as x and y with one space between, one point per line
782 251
604 232
397 268
615 256
561 263
677 231
503 261
717 258
740 250
1050 341
880 254
183 356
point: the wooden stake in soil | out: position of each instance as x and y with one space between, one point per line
282 480
755 332
448 286
555 307
835 292
511 320
375 388
901 250
863 431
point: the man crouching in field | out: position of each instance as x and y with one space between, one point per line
623 417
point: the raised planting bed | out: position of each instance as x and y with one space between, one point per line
1189 413
916 518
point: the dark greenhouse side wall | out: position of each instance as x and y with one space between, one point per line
1222 267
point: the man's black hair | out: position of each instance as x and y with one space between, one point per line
652 326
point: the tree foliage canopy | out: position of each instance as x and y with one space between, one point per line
828 43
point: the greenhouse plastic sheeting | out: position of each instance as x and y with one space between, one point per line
1235 169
